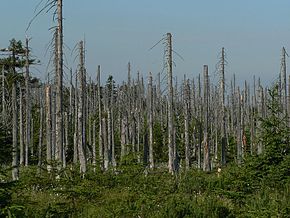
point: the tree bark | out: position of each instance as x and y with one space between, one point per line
48 127
186 123
40 134
59 87
171 158
81 111
21 136
15 170
206 146
150 114
27 99
223 115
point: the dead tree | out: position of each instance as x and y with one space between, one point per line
48 127
106 131
283 76
40 132
200 109
223 115
206 146
101 148
239 128
172 159
21 132
15 170
260 113
3 112
76 109
94 147
81 111
27 105
112 136
59 86
150 114
186 123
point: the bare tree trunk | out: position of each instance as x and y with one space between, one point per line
40 134
105 143
27 99
59 86
252 126
171 157
66 144
239 130
199 153
140 102
150 113
15 170
21 136
113 159
284 81
32 138
243 116
48 127
94 146
106 130
53 122
206 158
260 113
76 136
3 120
81 111
101 148
186 123
71 111
223 127
114 164
123 137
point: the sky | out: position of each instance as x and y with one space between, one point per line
252 32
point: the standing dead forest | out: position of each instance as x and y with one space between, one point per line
148 147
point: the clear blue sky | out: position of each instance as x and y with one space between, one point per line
117 31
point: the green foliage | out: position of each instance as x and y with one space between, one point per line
133 191
160 150
258 188
5 146
275 133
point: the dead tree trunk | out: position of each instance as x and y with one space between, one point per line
59 86
81 138
101 148
106 131
199 153
260 113
223 115
40 133
48 127
3 120
27 105
94 146
284 81
76 136
172 160
206 146
15 170
66 144
21 136
239 129
112 136
150 114
186 123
